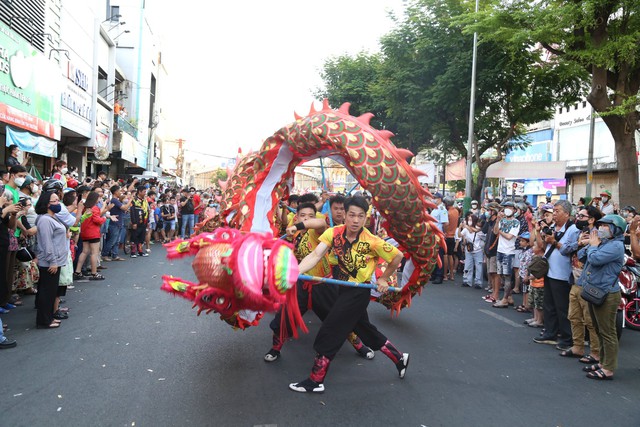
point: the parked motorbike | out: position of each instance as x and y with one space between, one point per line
629 309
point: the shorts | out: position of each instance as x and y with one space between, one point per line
451 244
169 225
505 264
91 240
159 226
516 258
537 296
492 265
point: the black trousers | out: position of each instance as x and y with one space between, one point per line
323 297
5 286
47 292
137 237
349 313
555 306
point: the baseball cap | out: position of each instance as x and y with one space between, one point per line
437 195
606 193
525 236
546 208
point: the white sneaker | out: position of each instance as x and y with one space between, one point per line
307 386
403 364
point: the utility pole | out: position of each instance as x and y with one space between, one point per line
592 125
180 160
472 102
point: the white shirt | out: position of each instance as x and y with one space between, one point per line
509 226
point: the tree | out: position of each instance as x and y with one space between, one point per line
218 175
421 85
355 80
603 39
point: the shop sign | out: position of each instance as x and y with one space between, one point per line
29 86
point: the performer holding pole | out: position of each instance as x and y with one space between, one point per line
317 297
357 252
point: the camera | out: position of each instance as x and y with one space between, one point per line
548 230
23 201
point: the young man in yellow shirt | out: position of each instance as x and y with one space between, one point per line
357 252
317 297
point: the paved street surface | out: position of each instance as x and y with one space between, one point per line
131 355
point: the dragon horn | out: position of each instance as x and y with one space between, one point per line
344 108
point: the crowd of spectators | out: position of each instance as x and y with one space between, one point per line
60 230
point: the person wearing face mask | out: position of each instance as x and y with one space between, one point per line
441 215
579 315
12 160
491 252
507 229
606 207
473 239
17 177
474 208
603 259
556 285
59 171
52 252
521 215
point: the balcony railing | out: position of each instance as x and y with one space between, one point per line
123 125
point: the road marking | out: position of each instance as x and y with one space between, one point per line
502 318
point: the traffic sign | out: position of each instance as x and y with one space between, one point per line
548 194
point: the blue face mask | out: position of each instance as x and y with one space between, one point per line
55 208
146 186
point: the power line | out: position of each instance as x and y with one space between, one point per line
211 155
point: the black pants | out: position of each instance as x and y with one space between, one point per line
555 307
5 286
137 238
438 272
349 313
47 291
323 297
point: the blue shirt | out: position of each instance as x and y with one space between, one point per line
117 208
441 215
560 259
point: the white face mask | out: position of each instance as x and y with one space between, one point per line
19 181
508 212
604 233
605 200
470 223
35 188
64 170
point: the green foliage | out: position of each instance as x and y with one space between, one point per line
219 174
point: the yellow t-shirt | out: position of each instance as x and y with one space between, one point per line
306 242
359 258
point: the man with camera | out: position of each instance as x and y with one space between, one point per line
558 240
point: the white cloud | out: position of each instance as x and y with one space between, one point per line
240 69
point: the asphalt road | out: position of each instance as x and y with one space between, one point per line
131 355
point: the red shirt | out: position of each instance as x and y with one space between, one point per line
196 204
90 228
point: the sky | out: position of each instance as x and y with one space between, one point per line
239 69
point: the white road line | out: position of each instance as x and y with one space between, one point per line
502 318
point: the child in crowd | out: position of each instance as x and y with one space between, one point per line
525 259
538 268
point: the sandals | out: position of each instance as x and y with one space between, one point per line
591 368
522 309
569 353
587 358
96 276
500 304
53 325
599 375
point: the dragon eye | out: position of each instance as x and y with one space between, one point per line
206 298
220 300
